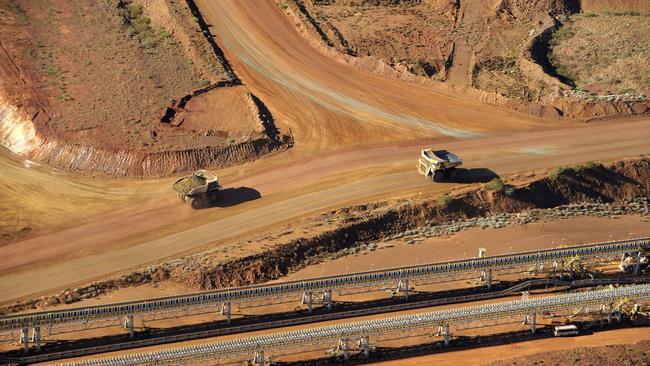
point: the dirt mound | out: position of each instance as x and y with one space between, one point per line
393 31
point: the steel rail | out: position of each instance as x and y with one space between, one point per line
281 342
314 285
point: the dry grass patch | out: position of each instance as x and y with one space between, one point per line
604 52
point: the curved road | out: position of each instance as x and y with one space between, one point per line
347 124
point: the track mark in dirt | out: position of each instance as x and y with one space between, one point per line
469 21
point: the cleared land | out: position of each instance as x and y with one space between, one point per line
102 75
604 53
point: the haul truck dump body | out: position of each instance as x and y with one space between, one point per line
198 189
438 164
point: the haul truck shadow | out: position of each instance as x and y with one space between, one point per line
234 196
474 175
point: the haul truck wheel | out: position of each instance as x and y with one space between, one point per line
195 203
213 196
438 176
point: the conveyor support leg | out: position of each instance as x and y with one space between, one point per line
226 309
488 278
447 335
364 345
24 339
609 314
36 337
637 263
533 323
344 344
328 296
307 298
128 324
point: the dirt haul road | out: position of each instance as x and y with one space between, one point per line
341 118
328 103
123 240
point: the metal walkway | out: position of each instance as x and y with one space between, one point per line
309 288
263 346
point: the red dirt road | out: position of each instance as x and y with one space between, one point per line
97 248
346 123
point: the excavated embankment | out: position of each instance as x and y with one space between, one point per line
555 99
616 183
18 134
114 131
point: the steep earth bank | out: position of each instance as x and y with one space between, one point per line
616 183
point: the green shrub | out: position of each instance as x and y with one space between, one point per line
590 14
496 185
564 33
148 43
560 170
586 166
134 11
139 25
445 200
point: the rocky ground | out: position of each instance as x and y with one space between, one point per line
639 205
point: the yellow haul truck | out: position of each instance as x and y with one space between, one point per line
199 189
438 165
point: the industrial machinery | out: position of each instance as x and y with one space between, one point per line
438 165
198 189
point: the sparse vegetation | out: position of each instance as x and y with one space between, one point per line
106 70
558 171
15 8
138 24
586 166
445 200
495 184
605 53
621 13
502 75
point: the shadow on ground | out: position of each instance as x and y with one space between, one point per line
474 175
235 196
